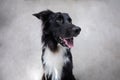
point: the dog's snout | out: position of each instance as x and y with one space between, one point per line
76 30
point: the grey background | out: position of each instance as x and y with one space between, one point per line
96 53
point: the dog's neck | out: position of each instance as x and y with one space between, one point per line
55 61
50 42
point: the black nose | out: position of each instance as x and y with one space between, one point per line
76 30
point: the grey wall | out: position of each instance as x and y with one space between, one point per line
96 53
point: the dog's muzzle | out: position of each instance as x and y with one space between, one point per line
76 31
69 41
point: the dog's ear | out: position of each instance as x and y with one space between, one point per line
44 15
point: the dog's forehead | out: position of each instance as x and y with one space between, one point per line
64 15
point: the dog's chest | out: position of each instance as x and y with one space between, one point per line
54 62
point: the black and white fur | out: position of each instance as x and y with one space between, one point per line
57 38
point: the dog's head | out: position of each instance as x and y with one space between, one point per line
59 26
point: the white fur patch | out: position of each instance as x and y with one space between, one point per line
54 62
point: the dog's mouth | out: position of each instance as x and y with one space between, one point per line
68 42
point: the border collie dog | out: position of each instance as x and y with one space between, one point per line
57 38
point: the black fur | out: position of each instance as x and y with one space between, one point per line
56 26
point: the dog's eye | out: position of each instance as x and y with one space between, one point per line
70 20
59 20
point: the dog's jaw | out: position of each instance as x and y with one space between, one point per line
68 42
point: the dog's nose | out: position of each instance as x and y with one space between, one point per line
76 30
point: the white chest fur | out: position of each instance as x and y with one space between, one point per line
54 62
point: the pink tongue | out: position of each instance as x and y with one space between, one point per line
69 43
